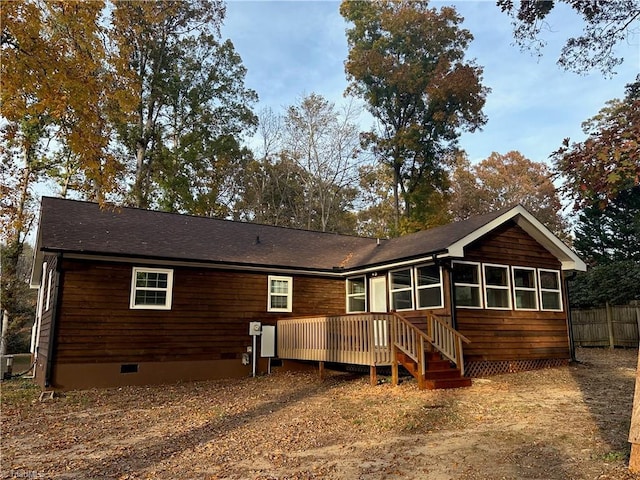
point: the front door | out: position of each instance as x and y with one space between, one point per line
378 294
378 304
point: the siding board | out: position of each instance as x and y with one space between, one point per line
512 334
209 318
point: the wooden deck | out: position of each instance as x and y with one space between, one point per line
372 339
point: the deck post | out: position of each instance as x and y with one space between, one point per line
321 370
373 375
421 369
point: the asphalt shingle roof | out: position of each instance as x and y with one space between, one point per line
84 227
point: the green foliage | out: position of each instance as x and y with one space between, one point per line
16 296
606 24
596 170
616 283
607 235
192 106
407 62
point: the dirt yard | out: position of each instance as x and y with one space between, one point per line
565 423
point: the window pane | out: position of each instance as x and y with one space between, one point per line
278 301
279 287
525 299
401 279
401 300
429 297
496 276
150 297
467 296
550 301
524 278
356 304
429 275
497 298
355 286
464 273
549 280
141 279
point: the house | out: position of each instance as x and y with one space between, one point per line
131 296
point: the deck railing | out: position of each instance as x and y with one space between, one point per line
366 339
359 339
447 340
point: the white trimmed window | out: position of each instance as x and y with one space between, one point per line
525 290
497 287
151 288
356 295
401 289
429 292
466 280
280 294
550 291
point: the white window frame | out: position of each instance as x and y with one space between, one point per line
424 287
168 289
551 290
473 285
349 296
404 289
496 287
288 295
49 283
525 289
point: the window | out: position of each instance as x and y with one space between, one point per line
280 294
401 290
524 288
429 287
550 292
497 290
466 279
151 288
356 295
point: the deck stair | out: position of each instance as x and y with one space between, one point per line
432 353
439 373
433 358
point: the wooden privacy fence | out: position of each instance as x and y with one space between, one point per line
610 326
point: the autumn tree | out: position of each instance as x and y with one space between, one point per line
54 96
406 61
606 24
192 105
324 142
598 169
375 204
501 181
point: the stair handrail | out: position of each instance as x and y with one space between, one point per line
447 340
409 339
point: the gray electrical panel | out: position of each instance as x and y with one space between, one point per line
268 341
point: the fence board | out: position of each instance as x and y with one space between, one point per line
590 328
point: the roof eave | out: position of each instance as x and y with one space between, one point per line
567 257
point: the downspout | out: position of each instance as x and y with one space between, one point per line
572 347
54 317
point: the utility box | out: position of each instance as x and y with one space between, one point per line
268 341
254 328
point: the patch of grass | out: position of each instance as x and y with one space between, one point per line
615 456
19 392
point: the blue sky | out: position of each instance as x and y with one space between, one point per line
295 48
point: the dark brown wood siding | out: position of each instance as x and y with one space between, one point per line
209 318
512 334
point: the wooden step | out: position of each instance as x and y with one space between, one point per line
442 374
447 383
